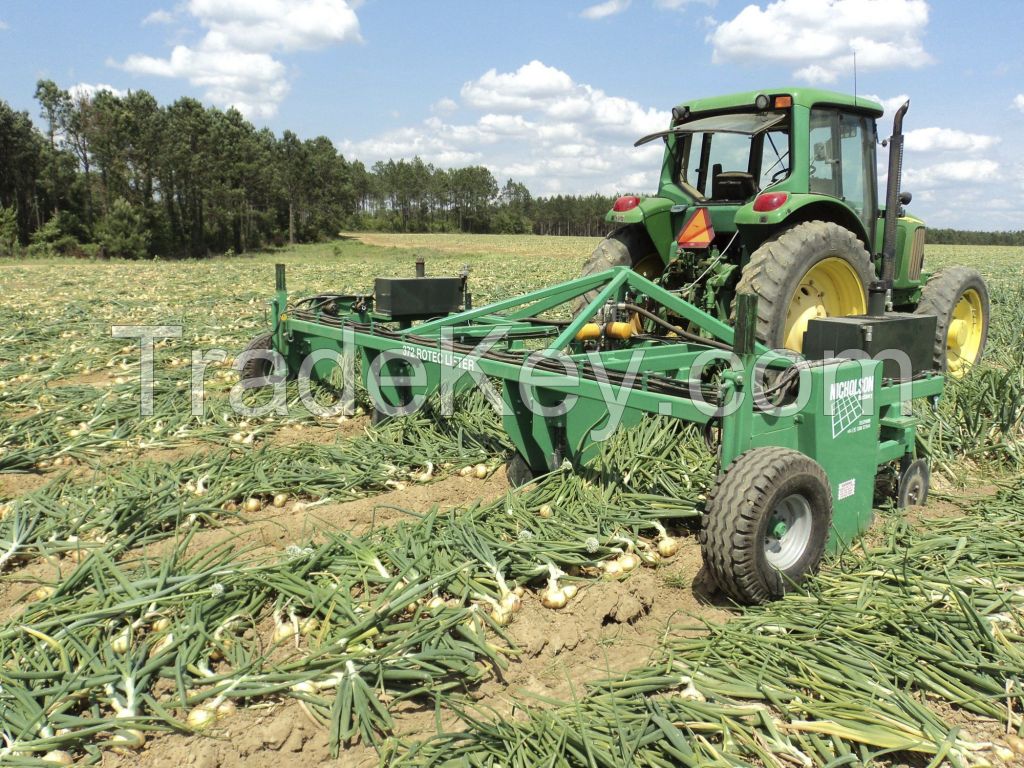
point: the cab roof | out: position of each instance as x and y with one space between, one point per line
804 97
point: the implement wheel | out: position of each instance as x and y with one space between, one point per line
257 370
914 483
765 524
958 297
812 270
625 247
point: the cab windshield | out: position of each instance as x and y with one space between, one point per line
730 158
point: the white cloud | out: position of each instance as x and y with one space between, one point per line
1018 101
819 37
444 106
605 9
537 125
159 16
890 105
947 139
3 25
87 91
516 90
232 62
954 171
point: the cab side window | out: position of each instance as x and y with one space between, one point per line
824 170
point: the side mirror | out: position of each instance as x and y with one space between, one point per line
905 198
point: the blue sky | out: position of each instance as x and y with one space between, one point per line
553 93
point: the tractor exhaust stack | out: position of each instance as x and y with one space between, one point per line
880 290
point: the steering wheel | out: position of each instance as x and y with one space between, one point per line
781 173
813 171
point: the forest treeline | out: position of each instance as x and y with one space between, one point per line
123 176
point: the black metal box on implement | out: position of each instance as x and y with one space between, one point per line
903 341
417 298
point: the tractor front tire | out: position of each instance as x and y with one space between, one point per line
811 270
625 247
765 524
958 297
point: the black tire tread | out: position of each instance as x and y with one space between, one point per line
731 517
772 265
940 295
624 247
256 368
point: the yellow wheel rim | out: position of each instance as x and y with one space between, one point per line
965 332
831 288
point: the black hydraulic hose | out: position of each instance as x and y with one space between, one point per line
675 328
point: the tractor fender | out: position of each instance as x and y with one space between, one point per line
654 214
757 226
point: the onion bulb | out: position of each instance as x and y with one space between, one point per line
648 555
570 591
553 596
41 593
162 645
500 615
1016 743
612 568
628 561
161 625
284 630
58 756
668 546
511 602
545 511
436 602
126 740
467 471
201 717
480 471
308 626
280 499
120 643
426 475
253 504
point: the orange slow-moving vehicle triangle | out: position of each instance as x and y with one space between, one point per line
698 232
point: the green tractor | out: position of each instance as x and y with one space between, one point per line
775 193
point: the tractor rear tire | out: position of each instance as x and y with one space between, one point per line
813 269
765 524
958 297
625 247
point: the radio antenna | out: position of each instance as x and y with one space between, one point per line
854 77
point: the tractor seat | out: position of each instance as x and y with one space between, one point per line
733 185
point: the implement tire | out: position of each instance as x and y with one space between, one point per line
813 269
765 524
257 371
958 297
625 247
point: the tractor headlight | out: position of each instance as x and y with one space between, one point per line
761 103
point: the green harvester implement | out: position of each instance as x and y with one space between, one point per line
800 442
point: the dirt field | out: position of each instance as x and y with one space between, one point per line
90 472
